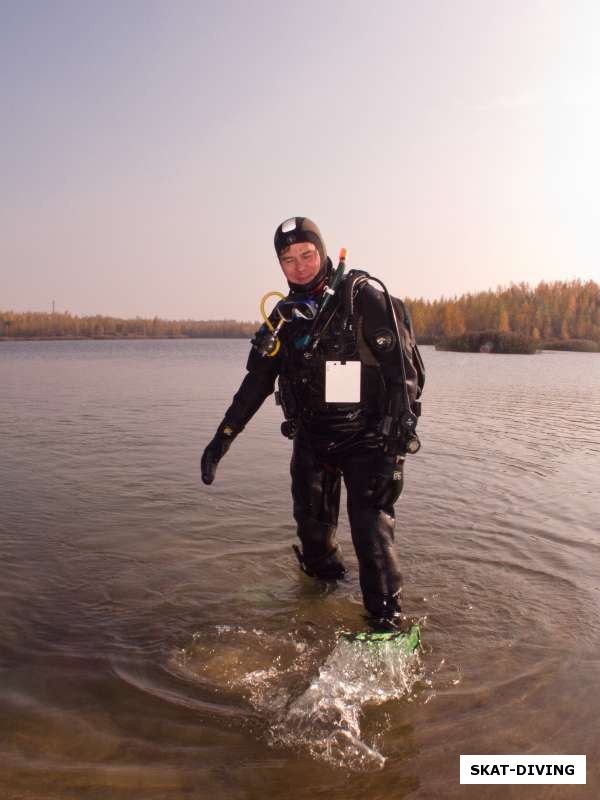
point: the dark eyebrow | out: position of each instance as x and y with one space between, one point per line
303 253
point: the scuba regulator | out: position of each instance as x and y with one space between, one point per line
267 341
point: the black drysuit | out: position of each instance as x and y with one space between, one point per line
335 440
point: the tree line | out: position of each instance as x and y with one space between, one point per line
36 324
557 311
551 311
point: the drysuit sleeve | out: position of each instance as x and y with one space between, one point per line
380 336
258 384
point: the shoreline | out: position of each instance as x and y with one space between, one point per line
550 346
105 338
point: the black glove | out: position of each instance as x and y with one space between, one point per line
216 449
387 481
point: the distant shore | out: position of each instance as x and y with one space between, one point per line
109 337
563 315
486 342
511 343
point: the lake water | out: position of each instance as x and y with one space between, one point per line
157 639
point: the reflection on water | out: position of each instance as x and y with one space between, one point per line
157 638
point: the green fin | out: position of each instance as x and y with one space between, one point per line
404 641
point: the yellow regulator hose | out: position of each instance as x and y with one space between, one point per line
267 321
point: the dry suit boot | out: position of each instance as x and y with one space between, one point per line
327 566
386 615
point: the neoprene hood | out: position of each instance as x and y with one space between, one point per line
302 229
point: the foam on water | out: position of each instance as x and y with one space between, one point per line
271 673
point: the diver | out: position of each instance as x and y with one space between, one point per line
349 376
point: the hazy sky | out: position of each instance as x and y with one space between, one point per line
149 149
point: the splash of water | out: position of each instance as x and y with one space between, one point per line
323 718
326 717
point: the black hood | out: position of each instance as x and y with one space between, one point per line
302 229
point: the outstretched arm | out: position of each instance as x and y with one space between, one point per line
255 388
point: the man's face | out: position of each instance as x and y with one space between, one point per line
300 262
